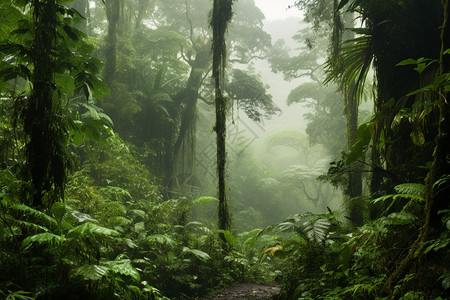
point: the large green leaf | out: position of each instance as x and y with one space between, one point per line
197 253
39 215
317 229
46 237
89 229
161 239
91 272
204 199
124 267
229 238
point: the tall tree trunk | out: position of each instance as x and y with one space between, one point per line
183 135
43 124
355 179
220 18
436 198
351 107
112 14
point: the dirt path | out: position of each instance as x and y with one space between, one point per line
247 291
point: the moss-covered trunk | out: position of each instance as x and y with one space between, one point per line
436 198
112 15
220 18
180 148
43 123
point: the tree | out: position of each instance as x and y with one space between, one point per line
173 43
220 18
50 55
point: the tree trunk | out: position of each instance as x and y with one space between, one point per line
351 106
436 198
183 135
43 125
112 14
220 18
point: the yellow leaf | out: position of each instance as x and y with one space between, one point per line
273 249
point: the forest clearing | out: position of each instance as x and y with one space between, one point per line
224 149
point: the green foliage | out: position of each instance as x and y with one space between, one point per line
251 96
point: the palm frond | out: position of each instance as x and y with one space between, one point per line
355 59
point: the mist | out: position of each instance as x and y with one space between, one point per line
226 149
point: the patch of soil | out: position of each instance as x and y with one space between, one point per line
247 291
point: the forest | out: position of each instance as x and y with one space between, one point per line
171 149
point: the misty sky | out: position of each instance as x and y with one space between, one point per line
277 9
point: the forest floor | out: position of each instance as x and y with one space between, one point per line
247 291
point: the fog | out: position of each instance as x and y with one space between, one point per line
272 164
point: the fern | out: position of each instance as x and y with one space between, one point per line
410 189
398 219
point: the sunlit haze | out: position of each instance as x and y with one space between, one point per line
277 9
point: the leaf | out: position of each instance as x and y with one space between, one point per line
82 217
30 225
37 214
204 199
88 229
273 249
71 32
410 188
91 272
417 137
407 62
45 237
124 267
317 229
203 256
229 238
398 219
446 281
139 227
161 239
342 4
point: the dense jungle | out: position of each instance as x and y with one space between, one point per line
177 149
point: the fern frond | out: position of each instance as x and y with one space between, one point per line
398 219
410 188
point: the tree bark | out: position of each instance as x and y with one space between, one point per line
435 198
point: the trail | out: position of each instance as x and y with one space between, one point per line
247 291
